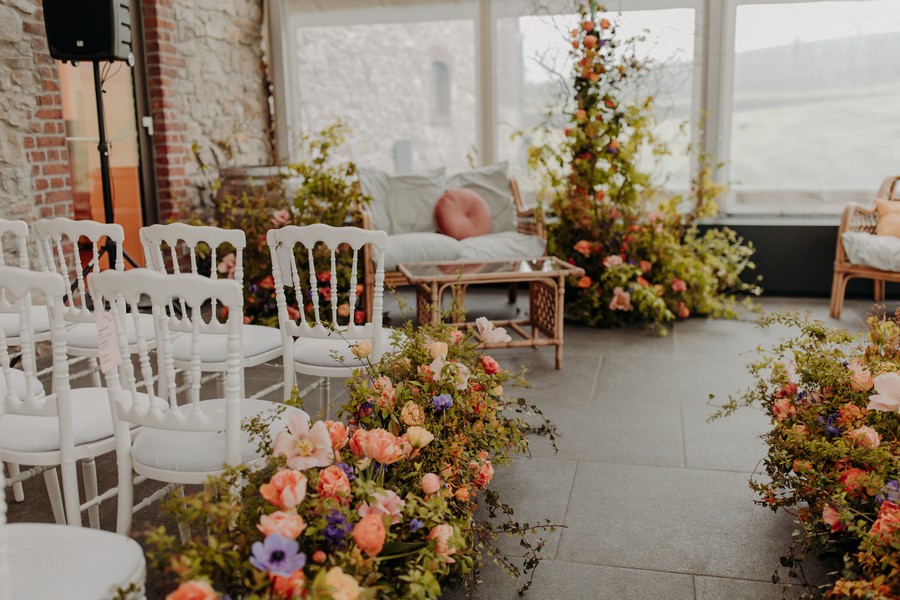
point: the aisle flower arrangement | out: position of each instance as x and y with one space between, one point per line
644 257
378 507
834 449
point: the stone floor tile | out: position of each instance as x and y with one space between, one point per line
720 588
676 520
727 444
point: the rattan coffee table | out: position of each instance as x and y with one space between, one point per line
546 290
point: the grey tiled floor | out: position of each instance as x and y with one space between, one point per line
654 498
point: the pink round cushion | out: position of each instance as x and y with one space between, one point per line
461 213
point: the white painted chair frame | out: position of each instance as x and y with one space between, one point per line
282 245
125 289
177 236
19 283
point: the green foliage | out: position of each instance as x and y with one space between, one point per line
644 258
834 453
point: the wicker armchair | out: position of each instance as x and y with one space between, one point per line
857 218
528 221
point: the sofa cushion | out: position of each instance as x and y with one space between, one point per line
419 247
492 184
461 213
507 244
880 252
402 203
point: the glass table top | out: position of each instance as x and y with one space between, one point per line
547 265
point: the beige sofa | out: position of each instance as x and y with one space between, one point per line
404 206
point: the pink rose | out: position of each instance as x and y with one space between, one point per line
338 433
888 397
431 483
227 265
866 437
832 518
860 378
645 265
783 409
281 217
456 336
583 247
491 366
334 483
382 446
193 590
286 524
387 504
369 534
621 300
614 260
678 285
286 489
441 535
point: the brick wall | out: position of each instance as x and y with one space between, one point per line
34 169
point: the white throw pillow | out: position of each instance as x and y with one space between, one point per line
402 203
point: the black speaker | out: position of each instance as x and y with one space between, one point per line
88 29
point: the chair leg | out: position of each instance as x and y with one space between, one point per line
184 528
95 372
18 490
89 474
51 481
837 295
125 500
289 379
71 498
325 392
879 290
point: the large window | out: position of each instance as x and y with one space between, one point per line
815 111
798 99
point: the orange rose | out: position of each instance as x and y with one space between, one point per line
604 23
585 282
338 433
441 535
369 534
382 446
356 441
333 483
193 590
888 521
286 489
286 524
852 479
590 41
290 587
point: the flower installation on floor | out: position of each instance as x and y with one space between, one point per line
379 505
834 450
645 258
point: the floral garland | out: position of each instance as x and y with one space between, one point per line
644 258
834 449
379 507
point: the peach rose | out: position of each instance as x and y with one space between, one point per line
382 446
832 518
852 479
419 437
613 260
678 285
333 483
456 336
483 474
441 535
411 414
866 437
369 534
860 378
193 590
362 348
290 587
645 265
356 441
286 524
431 483
462 494
338 433
604 23
621 300
590 41
340 585
583 247
286 489
888 521
783 409
437 350
585 282
344 310
580 114
227 265
683 311
491 366
587 26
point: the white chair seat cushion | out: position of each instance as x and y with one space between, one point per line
877 251
91 421
84 335
497 246
319 352
76 563
40 321
255 341
419 247
199 451
16 380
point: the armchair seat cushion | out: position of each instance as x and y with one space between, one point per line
431 247
876 251
419 247
505 244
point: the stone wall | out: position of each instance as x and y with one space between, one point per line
34 171
208 92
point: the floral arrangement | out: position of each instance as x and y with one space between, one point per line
381 506
317 190
834 449
645 259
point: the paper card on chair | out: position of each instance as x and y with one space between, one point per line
285 261
108 342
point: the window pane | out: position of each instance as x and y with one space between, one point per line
534 73
816 104
406 88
